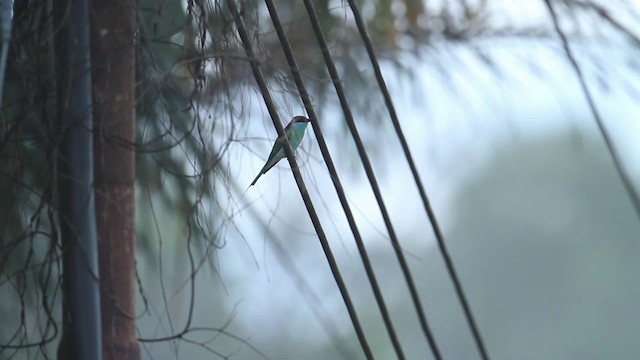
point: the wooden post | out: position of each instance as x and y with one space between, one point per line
113 72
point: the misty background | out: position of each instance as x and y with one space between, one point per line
541 231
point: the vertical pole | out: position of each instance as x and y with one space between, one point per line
5 27
81 313
113 71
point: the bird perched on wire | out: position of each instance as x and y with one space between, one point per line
294 132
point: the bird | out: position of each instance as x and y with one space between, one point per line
294 132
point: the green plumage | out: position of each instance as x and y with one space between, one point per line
294 132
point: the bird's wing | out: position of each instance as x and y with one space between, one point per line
277 146
277 154
277 151
271 161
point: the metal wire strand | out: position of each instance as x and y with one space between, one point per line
416 176
335 78
306 99
615 157
257 72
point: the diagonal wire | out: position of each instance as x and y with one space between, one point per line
615 157
313 301
295 71
416 176
604 13
337 82
257 72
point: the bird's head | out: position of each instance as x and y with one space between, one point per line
299 122
300 119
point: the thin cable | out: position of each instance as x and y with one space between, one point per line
416 176
617 162
306 99
313 301
257 72
335 78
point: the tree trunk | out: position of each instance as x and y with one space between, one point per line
113 71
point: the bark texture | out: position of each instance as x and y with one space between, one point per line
113 72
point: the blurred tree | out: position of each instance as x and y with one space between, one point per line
113 75
546 244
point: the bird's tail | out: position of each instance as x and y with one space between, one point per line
256 179
249 187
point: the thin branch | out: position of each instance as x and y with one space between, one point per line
366 163
604 13
257 72
416 176
306 99
615 157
